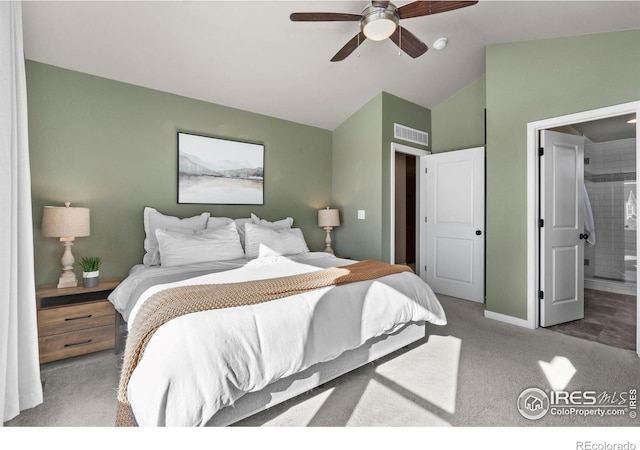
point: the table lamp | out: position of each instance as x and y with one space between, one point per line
327 219
66 223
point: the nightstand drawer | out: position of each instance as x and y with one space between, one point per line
74 321
76 343
75 317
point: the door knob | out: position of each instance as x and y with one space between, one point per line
478 232
584 236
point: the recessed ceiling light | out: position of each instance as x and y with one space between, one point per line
440 44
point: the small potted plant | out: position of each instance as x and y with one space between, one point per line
90 270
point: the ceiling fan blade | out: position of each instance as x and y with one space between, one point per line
408 42
349 47
417 9
324 17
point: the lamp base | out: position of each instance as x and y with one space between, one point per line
68 277
327 241
66 282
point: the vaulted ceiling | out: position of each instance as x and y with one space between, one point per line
249 55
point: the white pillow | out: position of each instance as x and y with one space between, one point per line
215 222
154 220
240 223
214 244
273 241
283 223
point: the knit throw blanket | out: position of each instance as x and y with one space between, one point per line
175 302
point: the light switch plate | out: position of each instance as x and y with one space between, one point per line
361 214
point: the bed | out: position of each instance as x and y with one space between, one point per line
215 365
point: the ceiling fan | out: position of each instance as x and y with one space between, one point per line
381 20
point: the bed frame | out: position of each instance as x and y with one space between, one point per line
289 387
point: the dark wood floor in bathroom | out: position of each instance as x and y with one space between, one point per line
609 318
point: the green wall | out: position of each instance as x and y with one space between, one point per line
112 147
526 82
403 112
531 81
362 173
357 184
459 120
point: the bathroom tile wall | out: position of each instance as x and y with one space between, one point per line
610 179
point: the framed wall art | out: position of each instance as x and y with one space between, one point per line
219 171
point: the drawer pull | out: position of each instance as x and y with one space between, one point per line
78 318
88 341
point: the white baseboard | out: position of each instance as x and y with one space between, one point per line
507 319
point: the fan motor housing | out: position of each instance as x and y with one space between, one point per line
378 23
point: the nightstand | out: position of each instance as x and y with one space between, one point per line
75 321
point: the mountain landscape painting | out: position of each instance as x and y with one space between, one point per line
219 171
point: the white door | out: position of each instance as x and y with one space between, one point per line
455 194
562 228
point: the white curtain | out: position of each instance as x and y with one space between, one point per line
20 386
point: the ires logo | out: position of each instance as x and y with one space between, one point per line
534 403
592 398
575 398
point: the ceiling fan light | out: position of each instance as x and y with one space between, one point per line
379 23
379 30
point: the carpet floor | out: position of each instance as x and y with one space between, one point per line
468 373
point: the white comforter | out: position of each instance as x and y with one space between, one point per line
199 363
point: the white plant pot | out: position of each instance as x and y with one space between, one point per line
91 279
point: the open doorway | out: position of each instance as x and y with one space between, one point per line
534 202
407 206
405 209
610 248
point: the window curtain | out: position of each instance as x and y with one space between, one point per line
20 386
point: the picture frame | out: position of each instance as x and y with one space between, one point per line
217 171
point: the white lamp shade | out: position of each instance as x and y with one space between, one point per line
65 221
328 218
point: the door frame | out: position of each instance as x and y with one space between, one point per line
400 148
533 196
